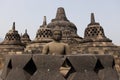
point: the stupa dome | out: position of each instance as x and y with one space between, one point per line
94 32
12 37
44 33
25 37
69 29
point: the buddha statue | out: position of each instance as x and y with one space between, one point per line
56 47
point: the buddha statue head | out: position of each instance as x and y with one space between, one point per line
57 34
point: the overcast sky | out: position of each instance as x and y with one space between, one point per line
28 14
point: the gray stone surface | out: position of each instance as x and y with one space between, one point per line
108 74
47 67
106 60
16 74
90 75
83 62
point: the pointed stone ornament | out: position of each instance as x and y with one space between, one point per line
68 28
44 21
12 37
95 32
13 27
21 34
25 30
92 18
61 14
25 38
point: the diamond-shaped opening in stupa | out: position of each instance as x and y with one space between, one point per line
66 69
98 66
30 67
113 64
10 64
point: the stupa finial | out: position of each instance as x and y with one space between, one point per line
92 18
13 27
61 14
44 21
25 30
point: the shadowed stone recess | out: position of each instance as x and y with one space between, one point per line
98 66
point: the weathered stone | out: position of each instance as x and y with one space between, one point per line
106 60
15 63
45 62
108 74
47 67
94 42
56 47
7 67
25 39
20 60
12 41
84 76
83 62
47 75
16 74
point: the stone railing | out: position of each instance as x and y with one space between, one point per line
48 67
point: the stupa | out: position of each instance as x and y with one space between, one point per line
95 41
12 42
69 30
25 39
43 36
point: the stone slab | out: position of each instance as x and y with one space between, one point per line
83 62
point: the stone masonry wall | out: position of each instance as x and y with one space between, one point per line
47 67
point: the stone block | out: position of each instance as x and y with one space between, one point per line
7 67
16 74
108 74
20 60
12 62
45 62
83 63
47 75
106 60
48 67
91 75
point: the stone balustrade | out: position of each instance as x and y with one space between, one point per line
48 67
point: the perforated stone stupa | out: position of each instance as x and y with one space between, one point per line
25 39
43 36
12 42
94 41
